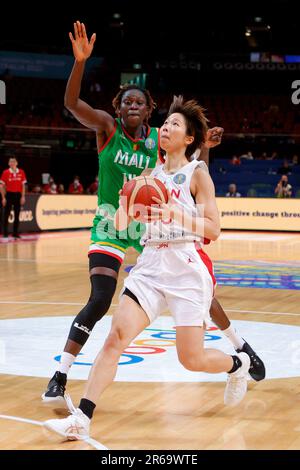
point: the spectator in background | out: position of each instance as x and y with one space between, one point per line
51 188
60 189
295 160
284 169
76 187
245 124
93 188
37 189
263 156
232 191
235 160
274 156
47 187
272 171
12 188
283 188
247 156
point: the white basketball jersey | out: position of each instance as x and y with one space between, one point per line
179 186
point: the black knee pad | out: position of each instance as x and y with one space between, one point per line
103 289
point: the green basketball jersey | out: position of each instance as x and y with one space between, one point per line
123 158
120 159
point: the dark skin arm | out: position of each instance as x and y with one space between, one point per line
213 138
3 194
99 121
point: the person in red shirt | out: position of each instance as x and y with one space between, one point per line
76 187
50 187
93 188
12 188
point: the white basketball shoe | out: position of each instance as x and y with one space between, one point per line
236 386
74 427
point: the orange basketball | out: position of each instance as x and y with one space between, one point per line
138 194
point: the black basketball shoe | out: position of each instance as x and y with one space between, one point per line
55 392
257 368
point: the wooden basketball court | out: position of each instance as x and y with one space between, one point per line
49 277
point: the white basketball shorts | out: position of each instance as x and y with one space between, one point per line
173 276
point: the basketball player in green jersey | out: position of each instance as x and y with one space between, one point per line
127 146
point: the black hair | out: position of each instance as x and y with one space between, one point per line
116 102
196 121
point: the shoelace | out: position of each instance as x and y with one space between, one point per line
234 382
70 405
74 412
59 388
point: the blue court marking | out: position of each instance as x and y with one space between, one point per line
132 359
256 274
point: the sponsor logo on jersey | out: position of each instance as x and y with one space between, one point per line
163 245
149 143
179 179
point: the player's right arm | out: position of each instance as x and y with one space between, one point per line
95 119
3 194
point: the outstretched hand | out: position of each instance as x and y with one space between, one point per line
82 47
213 137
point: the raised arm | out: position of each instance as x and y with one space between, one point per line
213 138
98 120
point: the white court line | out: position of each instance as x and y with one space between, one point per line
116 305
30 260
22 420
261 311
92 442
256 237
97 445
40 303
21 302
33 260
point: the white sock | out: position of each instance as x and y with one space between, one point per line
234 337
65 362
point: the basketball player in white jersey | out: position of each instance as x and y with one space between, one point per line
169 274
257 368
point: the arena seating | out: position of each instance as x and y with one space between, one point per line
254 178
